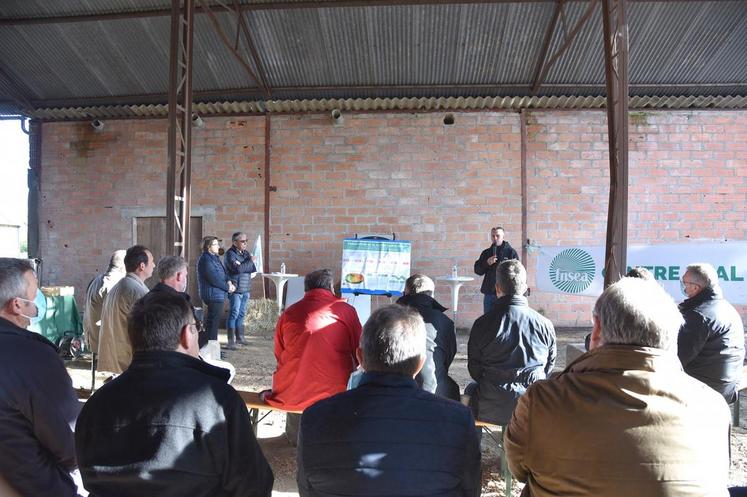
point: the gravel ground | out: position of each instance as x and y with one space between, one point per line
255 364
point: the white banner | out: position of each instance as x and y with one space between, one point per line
578 270
375 267
257 256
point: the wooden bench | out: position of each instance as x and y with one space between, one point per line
254 404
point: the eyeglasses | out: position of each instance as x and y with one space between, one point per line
197 326
241 241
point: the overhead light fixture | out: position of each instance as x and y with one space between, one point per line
97 125
336 116
197 121
449 120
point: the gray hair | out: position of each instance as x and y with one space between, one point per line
705 275
169 265
237 235
117 260
511 276
635 311
321 278
393 340
12 283
419 283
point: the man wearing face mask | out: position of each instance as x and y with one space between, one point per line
38 406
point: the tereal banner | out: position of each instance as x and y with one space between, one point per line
579 270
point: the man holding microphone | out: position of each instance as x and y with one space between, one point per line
499 251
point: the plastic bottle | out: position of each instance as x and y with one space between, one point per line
282 268
454 272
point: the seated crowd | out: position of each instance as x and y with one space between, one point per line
623 419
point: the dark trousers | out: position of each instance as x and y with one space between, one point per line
212 319
488 301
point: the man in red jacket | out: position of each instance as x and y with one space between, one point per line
315 343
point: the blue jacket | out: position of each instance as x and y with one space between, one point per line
241 273
212 281
509 348
388 438
38 408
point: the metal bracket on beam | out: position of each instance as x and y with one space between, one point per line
616 75
544 67
258 78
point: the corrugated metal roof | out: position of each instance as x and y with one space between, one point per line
416 51
393 104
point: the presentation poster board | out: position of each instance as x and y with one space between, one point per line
578 270
375 267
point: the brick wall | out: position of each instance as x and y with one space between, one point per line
441 187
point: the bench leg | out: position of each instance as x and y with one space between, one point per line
735 412
505 472
254 415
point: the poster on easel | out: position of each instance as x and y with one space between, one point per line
375 267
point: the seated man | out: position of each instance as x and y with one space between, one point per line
711 341
441 342
38 406
387 437
169 425
624 419
172 275
509 348
315 342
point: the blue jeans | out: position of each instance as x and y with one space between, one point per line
237 310
488 301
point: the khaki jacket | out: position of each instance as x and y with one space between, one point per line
115 351
95 295
621 421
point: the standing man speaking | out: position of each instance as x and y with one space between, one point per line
499 251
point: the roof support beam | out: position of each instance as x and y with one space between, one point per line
542 73
546 44
325 4
616 74
179 175
259 81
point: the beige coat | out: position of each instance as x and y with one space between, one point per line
621 421
95 295
115 351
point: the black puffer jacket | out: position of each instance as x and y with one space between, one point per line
503 253
711 342
239 267
441 346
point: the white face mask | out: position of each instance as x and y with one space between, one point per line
40 307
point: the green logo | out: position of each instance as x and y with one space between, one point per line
572 270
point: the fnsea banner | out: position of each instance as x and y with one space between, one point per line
579 270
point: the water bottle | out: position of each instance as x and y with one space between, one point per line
282 268
454 272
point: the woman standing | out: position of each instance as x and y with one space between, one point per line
213 286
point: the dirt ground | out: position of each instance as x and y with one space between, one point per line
255 364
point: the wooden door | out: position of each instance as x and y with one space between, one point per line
150 231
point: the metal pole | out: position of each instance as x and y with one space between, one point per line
616 74
178 201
